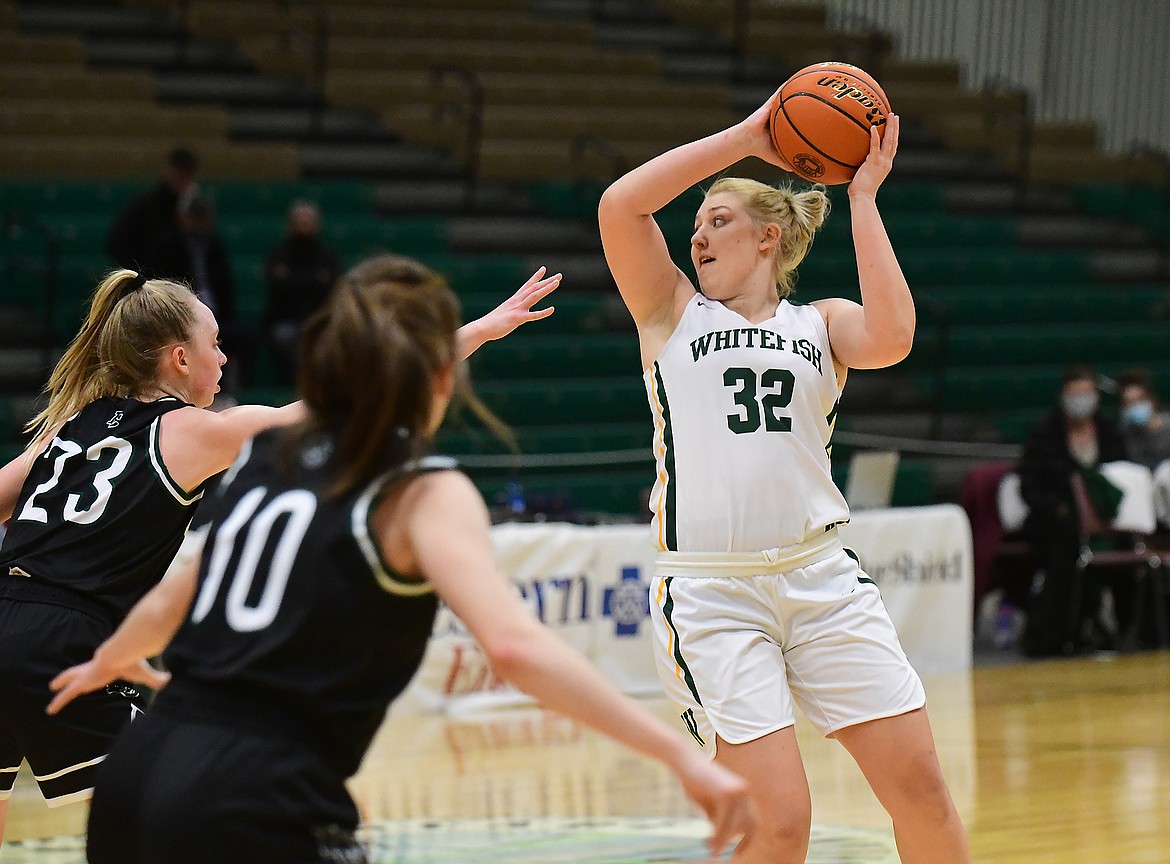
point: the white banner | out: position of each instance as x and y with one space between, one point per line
590 585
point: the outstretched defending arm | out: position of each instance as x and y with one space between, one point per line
509 315
441 531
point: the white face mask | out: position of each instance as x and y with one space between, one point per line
1078 406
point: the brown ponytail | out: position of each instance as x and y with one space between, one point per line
367 365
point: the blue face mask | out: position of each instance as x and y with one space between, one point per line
1138 413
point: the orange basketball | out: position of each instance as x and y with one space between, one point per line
822 123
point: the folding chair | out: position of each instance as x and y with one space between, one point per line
1129 532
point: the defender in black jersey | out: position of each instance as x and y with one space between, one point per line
77 560
97 507
312 604
100 502
299 638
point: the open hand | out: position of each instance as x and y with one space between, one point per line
877 164
517 309
93 675
759 129
723 796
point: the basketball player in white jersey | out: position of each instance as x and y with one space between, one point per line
757 607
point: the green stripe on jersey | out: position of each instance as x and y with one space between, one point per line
668 444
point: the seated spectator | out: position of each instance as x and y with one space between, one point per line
299 273
150 222
1073 439
1144 424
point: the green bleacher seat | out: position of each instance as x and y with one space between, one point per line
335 198
913 484
577 400
575 313
523 355
467 274
1001 389
1026 344
270 395
1047 303
575 438
611 491
45 196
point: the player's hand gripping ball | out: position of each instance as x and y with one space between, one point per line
822 120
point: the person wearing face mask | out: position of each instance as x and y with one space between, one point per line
1071 439
299 274
1144 425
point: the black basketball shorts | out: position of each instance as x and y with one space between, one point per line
182 791
38 640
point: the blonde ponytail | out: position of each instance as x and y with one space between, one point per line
116 351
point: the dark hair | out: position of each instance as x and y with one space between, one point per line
1139 377
1077 372
183 160
1136 378
367 363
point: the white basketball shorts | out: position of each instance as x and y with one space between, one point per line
741 640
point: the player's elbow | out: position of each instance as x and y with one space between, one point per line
616 202
514 654
899 343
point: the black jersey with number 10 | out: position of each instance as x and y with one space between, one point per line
296 618
98 513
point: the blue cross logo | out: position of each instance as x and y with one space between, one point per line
627 602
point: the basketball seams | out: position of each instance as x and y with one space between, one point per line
865 127
813 146
855 96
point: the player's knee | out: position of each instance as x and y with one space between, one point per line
785 830
922 793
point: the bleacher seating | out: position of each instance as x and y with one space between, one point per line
79 142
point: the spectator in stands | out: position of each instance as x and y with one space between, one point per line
299 274
1075 438
197 255
151 221
1144 424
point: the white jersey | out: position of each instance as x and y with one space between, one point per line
743 415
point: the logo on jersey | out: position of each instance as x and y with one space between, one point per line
115 420
125 690
627 602
337 845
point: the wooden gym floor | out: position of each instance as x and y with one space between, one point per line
1063 762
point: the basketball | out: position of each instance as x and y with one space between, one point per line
822 123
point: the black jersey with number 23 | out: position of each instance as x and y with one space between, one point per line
98 514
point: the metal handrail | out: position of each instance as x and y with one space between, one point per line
473 120
741 25
1022 123
318 39
1142 151
15 220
